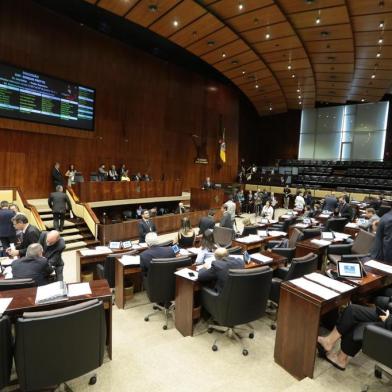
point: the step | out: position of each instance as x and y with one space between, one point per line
74 237
81 244
67 223
74 230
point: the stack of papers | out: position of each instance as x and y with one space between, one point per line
324 215
277 233
260 258
340 236
4 303
249 239
380 266
77 289
99 250
301 225
262 233
321 242
352 225
187 273
286 216
328 282
130 260
52 292
194 250
184 252
314 288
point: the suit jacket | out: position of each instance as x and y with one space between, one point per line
57 177
382 247
145 228
219 271
154 252
52 252
208 185
206 222
30 236
330 203
180 210
6 226
59 202
36 268
346 211
226 220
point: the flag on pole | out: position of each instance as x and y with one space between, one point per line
222 150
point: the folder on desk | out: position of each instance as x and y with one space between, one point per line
130 260
52 292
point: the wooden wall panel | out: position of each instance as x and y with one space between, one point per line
146 108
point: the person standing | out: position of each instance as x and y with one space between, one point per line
146 225
57 177
208 184
70 174
59 203
286 196
382 248
7 230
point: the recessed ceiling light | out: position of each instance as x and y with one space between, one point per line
293 75
223 54
318 20
289 66
270 108
175 23
243 72
153 8
298 90
299 97
268 36
234 62
373 76
380 41
256 20
211 43
381 25
363 100
240 6
324 34
257 86
300 102
378 55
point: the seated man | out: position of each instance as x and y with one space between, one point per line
154 251
53 246
370 216
207 222
345 329
180 208
219 269
345 210
32 266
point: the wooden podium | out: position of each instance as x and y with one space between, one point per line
204 199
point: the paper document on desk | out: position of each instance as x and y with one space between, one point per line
4 302
52 292
6 261
285 216
380 266
314 288
340 236
352 225
194 250
321 242
130 260
301 225
262 233
99 250
77 289
324 215
184 252
261 258
249 239
187 273
277 233
328 282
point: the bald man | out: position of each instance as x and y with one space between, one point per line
219 269
53 246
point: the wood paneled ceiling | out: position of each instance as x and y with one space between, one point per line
283 54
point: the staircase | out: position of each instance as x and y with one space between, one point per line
76 234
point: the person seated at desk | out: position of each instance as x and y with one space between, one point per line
370 217
308 212
154 251
180 208
186 235
207 222
345 330
267 211
219 269
207 247
330 202
345 210
53 246
382 247
30 235
226 220
124 176
316 210
208 184
146 225
33 266
113 174
102 173
123 169
147 177
137 177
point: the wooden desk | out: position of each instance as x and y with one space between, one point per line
121 271
255 244
23 300
353 231
187 308
307 246
204 199
299 317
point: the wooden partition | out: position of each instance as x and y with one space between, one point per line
165 224
114 190
203 199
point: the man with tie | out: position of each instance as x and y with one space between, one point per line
145 226
57 177
7 231
208 184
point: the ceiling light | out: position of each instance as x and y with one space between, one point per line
381 25
298 90
299 97
240 6
153 8
293 75
289 66
175 23
309 1
324 34
268 36
373 76
223 54
363 100
257 86
380 41
243 72
318 20
234 62
300 102
378 55
270 108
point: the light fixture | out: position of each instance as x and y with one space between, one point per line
268 36
298 90
380 41
373 76
300 102
210 43
381 25
257 86
378 55
299 97
243 72
175 23
363 100
289 66
270 108
240 6
223 54
293 75
318 20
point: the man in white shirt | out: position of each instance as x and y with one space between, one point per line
231 207
299 202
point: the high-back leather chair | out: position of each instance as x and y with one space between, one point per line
299 267
235 250
13 284
223 236
310 233
6 350
336 224
289 251
249 230
160 284
55 346
242 300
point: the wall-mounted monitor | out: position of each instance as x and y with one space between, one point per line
31 96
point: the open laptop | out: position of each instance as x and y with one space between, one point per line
350 270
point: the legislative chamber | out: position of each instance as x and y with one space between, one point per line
196 195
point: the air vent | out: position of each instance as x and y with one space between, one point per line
153 8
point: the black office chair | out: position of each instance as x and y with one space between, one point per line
6 351
160 284
243 300
289 251
284 226
69 343
299 267
166 243
336 224
13 284
377 344
310 233
127 215
235 250
249 230
358 248
223 236
384 208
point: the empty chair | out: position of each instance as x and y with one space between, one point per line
310 233
6 349
242 300
127 215
12 284
69 343
284 226
160 284
289 251
360 247
299 266
223 236
384 208
336 224
249 230
235 250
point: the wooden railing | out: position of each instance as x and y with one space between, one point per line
15 194
83 210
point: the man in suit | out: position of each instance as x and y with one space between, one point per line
33 266
226 220
145 226
53 246
219 269
382 248
30 235
370 218
208 184
330 202
57 177
345 210
207 222
154 251
180 208
7 230
59 203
